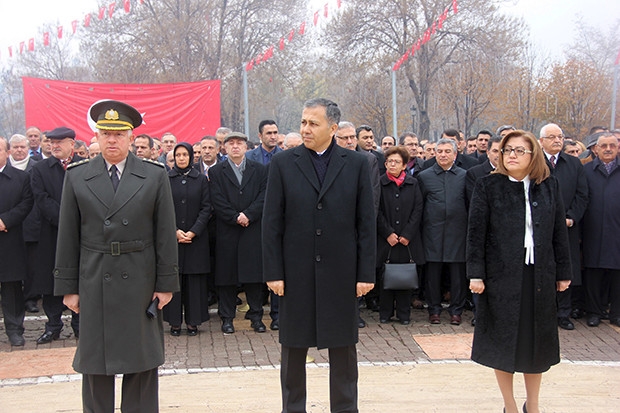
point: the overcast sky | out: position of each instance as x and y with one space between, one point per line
551 21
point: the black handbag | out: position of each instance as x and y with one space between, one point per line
400 276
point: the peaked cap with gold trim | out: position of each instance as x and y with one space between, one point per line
115 115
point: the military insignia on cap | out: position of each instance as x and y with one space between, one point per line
111 115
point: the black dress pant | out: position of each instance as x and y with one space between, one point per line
139 393
403 304
190 303
602 287
29 288
343 377
458 287
53 307
564 301
227 304
12 306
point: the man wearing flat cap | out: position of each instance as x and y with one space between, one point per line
47 178
237 194
118 254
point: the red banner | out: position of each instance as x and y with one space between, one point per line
188 110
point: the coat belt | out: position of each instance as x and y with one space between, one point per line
116 248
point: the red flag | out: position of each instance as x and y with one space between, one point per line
281 43
249 66
339 3
10 51
111 8
31 45
291 35
141 1
46 38
325 10
74 25
194 106
21 47
316 17
433 28
257 60
101 12
302 28
60 32
87 20
617 59
455 6
127 5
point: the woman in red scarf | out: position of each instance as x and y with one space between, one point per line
398 229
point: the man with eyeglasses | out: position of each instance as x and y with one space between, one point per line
410 141
365 142
346 137
574 188
601 244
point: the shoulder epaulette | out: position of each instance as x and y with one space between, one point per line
161 165
82 162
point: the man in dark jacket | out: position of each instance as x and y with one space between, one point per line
47 183
117 255
601 244
444 229
574 188
15 204
238 194
268 135
319 251
462 161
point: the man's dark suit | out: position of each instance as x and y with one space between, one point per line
472 176
380 159
574 189
47 182
320 239
256 154
15 204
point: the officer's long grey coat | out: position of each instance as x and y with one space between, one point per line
115 334
321 240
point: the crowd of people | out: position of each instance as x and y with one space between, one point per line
427 203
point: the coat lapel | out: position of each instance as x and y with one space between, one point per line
247 174
131 182
230 174
98 181
304 163
336 163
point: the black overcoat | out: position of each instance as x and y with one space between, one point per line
192 209
47 178
444 220
238 257
574 190
117 249
601 222
15 203
400 212
495 254
321 241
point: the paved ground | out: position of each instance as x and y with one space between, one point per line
415 368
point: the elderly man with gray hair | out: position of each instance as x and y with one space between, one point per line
444 230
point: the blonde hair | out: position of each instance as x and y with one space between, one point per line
537 170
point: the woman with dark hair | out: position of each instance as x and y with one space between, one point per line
192 206
398 229
517 257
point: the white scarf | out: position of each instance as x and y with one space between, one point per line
19 164
528 240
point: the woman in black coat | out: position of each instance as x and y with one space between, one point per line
398 229
517 257
192 207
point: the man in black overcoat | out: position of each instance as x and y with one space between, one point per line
574 189
15 204
462 161
238 194
319 248
47 182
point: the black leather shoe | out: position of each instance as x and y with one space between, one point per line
361 323
193 331
76 333
577 314
384 320
565 323
227 327
31 307
16 339
594 320
175 331
259 326
405 322
473 322
47 337
615 321
275 325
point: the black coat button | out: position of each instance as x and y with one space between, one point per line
317 258
319 231
535 204
125 221
106 222
107 276
319 206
